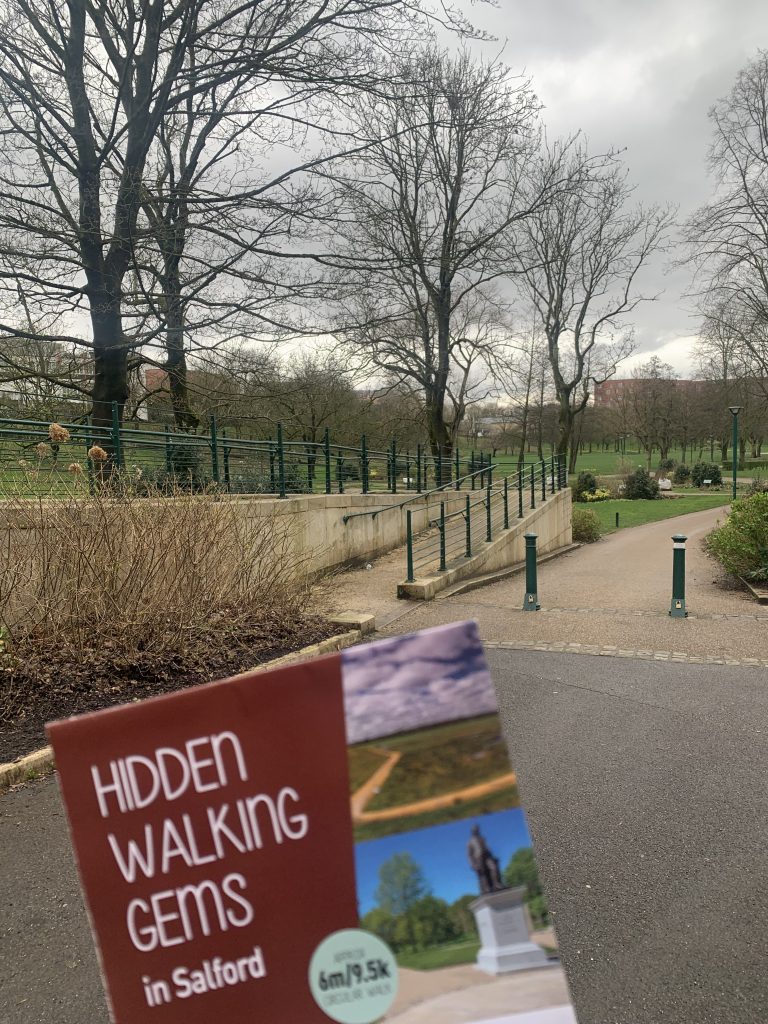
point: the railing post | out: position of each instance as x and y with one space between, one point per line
364 463
533 487
340 472
520 485
280 461
472 468
488 520
677 608
89 460
168 459
418 469
439 467
531 601
468 529
442 537
506 503
272 474
409 547
327 452
552 477
214 451
543 480
225 452
458 469
117 447
394 465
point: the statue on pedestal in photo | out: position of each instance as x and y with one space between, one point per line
483 863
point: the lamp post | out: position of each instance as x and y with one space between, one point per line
734 411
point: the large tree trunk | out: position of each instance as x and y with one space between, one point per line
176 362
565 421
440 442
110 379
523 435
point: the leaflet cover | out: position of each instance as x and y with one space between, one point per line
339 839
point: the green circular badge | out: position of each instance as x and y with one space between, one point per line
353 976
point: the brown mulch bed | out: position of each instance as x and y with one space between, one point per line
36 688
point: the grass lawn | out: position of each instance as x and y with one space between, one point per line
635 513
609 463
440 956
442 759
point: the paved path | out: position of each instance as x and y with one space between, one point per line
360 798
613 597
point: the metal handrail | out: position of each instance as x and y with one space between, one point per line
451 485
544 480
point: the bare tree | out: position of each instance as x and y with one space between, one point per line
85 88
578 258
425 211
728 237
654 407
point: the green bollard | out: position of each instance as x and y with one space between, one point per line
677 609
531 601
617 520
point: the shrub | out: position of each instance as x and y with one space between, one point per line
640 485
586 483
681 475
141 573
741 543
756 486
666 466
706 471
586 526
601 494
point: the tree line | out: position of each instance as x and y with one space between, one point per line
186 186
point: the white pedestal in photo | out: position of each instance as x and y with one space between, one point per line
504 934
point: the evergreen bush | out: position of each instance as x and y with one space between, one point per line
640 485
706 471
741 543
586 483
586 526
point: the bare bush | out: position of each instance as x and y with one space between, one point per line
141 573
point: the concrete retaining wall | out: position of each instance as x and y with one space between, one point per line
319 533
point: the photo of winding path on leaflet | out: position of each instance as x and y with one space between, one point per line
428 762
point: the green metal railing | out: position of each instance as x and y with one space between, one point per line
34 461
449 539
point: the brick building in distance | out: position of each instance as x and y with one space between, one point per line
609 394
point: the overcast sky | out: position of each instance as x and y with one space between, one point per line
640 75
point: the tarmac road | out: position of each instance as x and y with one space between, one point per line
645 786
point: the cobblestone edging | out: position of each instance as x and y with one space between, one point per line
643 613
611 651
648 613
40 762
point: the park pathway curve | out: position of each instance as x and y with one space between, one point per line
611 597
